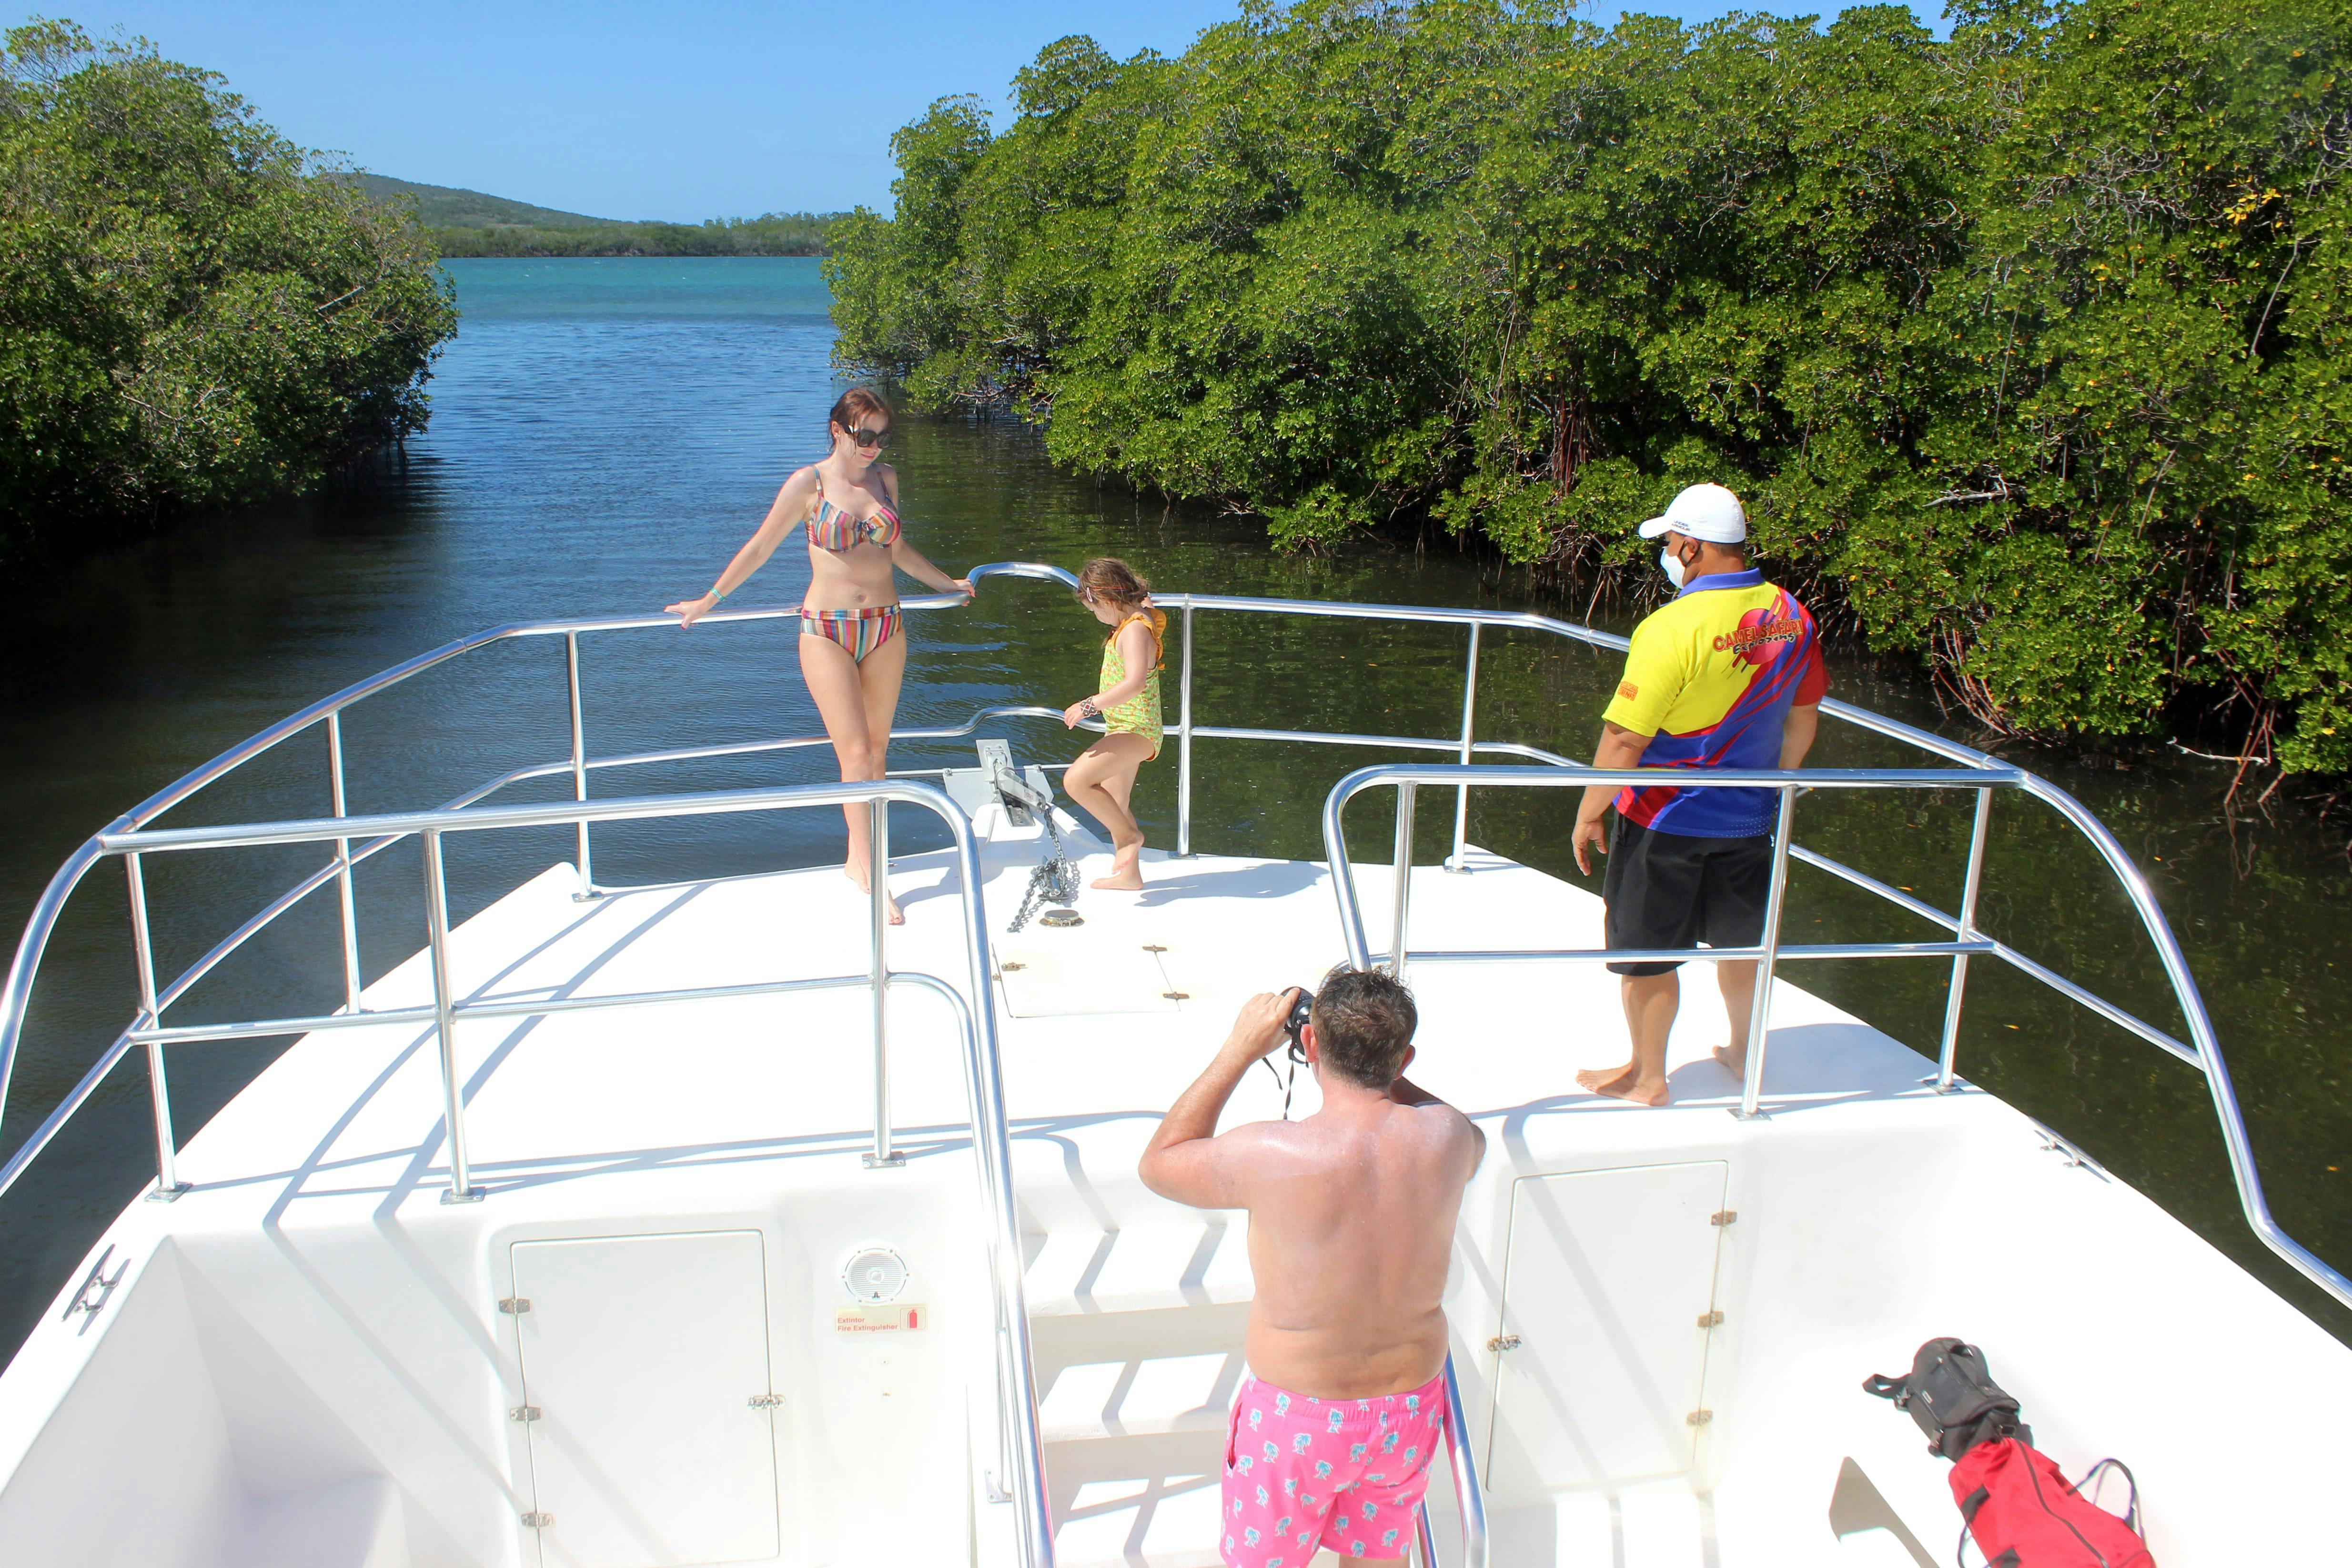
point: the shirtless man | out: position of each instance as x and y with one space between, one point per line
1351 1224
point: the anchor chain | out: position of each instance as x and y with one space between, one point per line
1053 881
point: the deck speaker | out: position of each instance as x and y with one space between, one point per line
874 1273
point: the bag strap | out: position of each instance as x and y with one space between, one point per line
2131 1507
2007 1559
1885 1387
2033 1476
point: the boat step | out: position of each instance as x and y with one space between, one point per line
1154 1333
1666 1526
1145 1394
1133 1414
1164 1521
1138 1268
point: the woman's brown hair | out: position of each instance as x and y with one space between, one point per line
854 403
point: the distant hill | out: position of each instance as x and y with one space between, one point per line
445 208
470 222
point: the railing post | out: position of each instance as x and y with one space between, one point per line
579 761
1184 745
1462 792
1403 877
343 865
877 876
445 1024
1948 1053
168 1184
1759 1011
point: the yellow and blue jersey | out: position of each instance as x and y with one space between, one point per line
1710 678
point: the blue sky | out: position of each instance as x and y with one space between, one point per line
682 111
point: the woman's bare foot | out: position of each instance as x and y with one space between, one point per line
1622 1083
1126 871
1734 1063
866 887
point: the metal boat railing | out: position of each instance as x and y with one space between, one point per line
352 844
1023 1461
1469 1492
1969 941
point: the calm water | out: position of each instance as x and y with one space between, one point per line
606 433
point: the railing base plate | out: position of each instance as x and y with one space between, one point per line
874 1162
169 1194
470 1195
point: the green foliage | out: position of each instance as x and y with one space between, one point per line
191 318
454 208
771 234
2026 347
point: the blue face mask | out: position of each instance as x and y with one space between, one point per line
1672 565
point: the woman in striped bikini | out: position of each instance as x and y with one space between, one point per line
852 654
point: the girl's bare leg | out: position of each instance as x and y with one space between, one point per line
1101 780
858 702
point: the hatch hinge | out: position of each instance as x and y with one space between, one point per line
1723 1217
766 1401
514 1306
1709 1320
1503 1342
1698 1417
538 1521
524 1412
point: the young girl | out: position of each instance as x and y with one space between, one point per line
1129 703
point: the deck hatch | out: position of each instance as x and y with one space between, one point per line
1605 1272
639 1354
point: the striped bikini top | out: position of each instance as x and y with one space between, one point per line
831 529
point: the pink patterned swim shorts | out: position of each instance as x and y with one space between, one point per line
1345 1474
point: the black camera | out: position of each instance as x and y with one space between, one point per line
1299 1012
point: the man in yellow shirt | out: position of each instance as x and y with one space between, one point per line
1726 675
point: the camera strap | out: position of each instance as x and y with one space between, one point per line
1288 1080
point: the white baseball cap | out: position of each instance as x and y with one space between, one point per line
1707 512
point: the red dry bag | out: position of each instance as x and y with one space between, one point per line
2024 1514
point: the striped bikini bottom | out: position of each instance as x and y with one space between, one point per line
859 631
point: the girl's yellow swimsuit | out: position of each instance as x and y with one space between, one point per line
1138 715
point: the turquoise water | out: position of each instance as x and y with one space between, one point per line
607 432
620 289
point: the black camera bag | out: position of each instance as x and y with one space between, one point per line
1951 1393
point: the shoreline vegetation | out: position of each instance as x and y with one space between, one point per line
470 224
194 318
2027 346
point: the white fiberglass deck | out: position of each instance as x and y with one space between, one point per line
308 1362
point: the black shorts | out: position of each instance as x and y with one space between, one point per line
1666 890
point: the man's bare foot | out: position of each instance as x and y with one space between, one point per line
1622 1083
1126 871
866 887
1733 1062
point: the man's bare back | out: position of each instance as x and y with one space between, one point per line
1352 1214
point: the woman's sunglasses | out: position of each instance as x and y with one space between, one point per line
874 438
